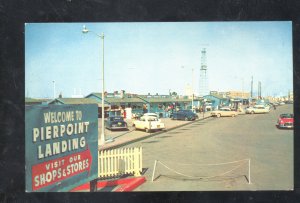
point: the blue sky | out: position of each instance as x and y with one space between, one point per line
148 57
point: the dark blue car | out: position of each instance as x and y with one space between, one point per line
116 123
186 115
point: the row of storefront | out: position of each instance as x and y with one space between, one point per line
162 105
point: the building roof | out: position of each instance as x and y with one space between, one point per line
167 99
142 99
125 99
216 96
74 101
33 100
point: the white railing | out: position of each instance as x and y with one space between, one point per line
121 161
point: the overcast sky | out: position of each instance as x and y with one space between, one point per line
148 57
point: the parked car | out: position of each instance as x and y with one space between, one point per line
208 107
281 103
224 111
257 109
116 123
186 115
148 123
285 121
137 115
151 114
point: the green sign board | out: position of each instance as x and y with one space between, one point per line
61 146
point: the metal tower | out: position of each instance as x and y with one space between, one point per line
203 86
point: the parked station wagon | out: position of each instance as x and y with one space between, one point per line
257 109
225 111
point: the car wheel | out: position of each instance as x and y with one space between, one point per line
147 130
218 115
186 118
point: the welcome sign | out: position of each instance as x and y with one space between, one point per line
61 146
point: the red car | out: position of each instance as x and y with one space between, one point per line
285 121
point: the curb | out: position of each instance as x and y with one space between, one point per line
150 135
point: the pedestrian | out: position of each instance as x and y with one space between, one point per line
274 106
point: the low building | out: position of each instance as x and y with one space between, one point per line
216 100
118 102
139 104
62 101
238 94
33 101
165 104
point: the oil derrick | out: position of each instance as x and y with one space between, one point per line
203 86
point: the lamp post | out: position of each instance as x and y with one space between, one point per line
102 136
54 89
192 88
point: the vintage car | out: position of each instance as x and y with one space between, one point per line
285 121
224 111
186 115
116 123
257 109
151 114
148 123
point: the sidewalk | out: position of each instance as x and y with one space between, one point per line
121 138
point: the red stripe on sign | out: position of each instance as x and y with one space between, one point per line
56 170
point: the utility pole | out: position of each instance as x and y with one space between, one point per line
54 89
259 90
203 81
251 86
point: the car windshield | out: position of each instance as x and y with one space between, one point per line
186 111
152 119
287 115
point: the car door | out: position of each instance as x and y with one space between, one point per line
139 123
225 112
181 115
260 109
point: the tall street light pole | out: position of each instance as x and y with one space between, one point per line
192 88
54 89
102 136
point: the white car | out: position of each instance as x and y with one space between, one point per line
225 111
148 123
257 109
151 114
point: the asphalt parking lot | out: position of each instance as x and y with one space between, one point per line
192 157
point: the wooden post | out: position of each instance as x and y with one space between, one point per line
249 171
93 185
136 162
154 168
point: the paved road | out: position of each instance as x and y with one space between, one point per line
121 137
221 140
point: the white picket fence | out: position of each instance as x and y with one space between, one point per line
121 161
